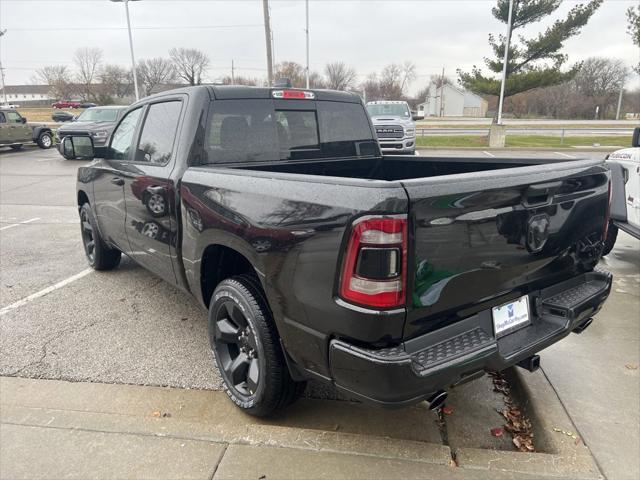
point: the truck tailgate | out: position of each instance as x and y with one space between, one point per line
479 240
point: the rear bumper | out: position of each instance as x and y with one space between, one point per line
413 371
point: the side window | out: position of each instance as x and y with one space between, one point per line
13 117
122 137
159 133
2 118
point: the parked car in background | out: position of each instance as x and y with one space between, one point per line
88 105
10 105
62 116
15 131
395 128
389 277
66 104
625 192
98 122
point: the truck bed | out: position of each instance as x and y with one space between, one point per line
393 168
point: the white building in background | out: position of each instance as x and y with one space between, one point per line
451 101
23 94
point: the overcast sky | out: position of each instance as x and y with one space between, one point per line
365 34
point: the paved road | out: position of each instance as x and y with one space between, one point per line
127 326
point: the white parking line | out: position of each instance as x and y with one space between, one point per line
564 155
21 223
489 154
45 291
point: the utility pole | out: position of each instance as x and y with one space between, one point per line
441 94
506 59
267 35
619 101
307 35
233 76
4 90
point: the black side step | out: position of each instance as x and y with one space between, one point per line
572 300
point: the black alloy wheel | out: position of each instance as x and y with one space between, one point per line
87 236
237 349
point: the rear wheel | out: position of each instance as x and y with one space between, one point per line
99 256
610 241
246 347
45 140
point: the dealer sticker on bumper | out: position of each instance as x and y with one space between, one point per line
511 316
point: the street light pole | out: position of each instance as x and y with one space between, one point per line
307 35
506 59
133 59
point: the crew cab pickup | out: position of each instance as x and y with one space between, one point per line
392 278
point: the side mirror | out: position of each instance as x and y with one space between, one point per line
77 148
635 141
24 119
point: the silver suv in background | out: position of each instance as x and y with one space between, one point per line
395 128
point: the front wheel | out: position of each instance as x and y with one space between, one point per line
246 348
99 256
610 241
45 140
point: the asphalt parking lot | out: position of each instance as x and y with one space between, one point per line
60 320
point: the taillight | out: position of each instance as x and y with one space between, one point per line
374 271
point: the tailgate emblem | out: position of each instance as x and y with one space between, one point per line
537 232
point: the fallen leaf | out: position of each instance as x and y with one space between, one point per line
166 415
453 463
447 410
578 440
156 413
497 432
631 366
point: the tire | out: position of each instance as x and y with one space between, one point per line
16 147
246 349
99 256
45 140
610 241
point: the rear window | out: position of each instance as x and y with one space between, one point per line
240 131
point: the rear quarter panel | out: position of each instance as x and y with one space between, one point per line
291 228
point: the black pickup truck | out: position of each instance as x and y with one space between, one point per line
391 277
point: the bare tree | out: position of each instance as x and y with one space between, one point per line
59 79
296 73
190 64
408 70
87 62
115 81
340 76
155 71
240 80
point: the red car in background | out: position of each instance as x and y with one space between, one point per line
66 104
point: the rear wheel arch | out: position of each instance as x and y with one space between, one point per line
220 262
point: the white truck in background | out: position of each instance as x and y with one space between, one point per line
625 200
394 125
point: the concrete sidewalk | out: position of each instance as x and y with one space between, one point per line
56 429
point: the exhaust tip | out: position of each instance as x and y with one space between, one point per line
532 363
583 326
437 399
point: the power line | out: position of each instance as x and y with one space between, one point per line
168 27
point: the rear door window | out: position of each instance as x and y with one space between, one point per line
159 133
240 131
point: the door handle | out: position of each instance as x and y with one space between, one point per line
117 181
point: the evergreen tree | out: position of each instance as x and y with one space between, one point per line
534 62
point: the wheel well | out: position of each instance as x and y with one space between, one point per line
82 198
218 263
